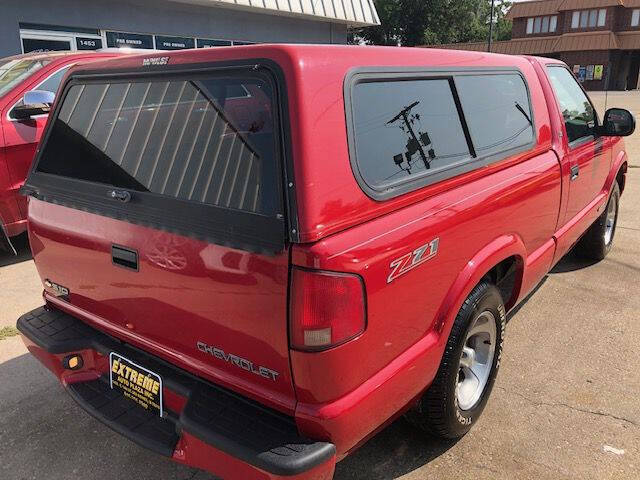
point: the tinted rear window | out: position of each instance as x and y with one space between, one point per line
209 140
408 133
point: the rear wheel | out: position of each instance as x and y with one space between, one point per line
468 369
598 240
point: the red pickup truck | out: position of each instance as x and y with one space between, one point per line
34 77
256 257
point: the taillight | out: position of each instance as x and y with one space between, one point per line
326 309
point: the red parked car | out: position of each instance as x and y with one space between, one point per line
256 257
36 76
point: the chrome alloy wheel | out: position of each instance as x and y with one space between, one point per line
610 222
476 360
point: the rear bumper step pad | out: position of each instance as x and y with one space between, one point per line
125 417
238 426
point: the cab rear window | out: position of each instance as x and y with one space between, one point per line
208 140
407 132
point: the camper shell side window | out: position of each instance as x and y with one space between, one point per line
411 129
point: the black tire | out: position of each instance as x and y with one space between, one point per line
438 412
595 244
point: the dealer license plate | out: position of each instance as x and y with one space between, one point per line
136 383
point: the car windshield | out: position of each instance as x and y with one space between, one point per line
12 72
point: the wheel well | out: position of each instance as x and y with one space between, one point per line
504 276
621 177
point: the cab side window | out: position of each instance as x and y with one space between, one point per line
579 115
52 83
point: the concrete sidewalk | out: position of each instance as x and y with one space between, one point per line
564 405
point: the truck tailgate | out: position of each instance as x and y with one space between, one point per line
157 213
214 310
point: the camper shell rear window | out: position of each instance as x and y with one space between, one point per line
200 153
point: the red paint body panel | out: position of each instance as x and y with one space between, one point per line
476 209
185 291
522 207
19 139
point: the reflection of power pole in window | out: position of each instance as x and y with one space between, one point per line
414 144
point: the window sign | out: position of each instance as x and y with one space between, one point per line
208 43
598 70
44 45
131 40
85 43
174 43
582 74
590 70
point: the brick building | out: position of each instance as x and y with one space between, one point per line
598 39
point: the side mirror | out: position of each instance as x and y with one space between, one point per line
618 122
35 102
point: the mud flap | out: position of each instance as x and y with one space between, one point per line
5 243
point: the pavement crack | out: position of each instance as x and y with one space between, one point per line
481 466
599 413
629 228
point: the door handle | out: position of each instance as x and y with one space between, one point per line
575 171
124 257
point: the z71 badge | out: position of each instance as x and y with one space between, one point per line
411 260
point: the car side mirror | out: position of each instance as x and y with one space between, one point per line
35 102
618 122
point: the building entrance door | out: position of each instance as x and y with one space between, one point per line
634 72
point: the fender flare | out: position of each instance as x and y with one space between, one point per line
503 247
620 164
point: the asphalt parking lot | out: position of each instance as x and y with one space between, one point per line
564 405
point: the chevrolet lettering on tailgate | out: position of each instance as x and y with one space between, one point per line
238 361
